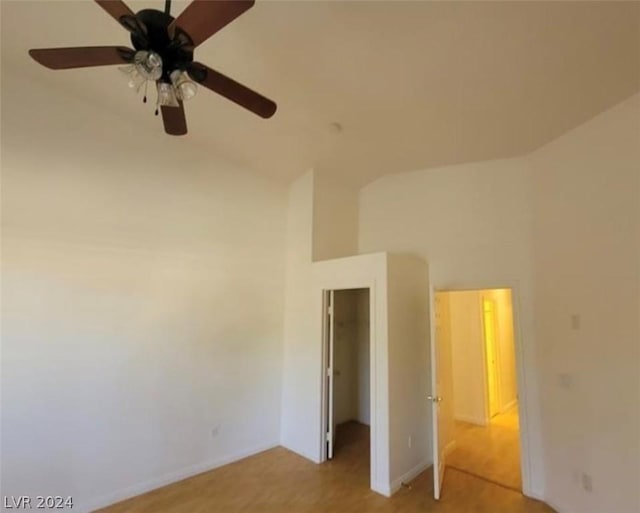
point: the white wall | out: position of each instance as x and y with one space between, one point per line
142 305
467 357
587 257
409 363
300 402
473 223
364 357
335 218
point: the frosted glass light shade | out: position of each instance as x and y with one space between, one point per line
184 86
148 64
167 95
135 79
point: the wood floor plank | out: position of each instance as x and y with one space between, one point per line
492 451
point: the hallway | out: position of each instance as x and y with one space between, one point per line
491 452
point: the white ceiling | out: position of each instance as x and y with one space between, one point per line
414 84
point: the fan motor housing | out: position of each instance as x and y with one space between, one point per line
150 31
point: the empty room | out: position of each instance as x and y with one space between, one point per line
320 256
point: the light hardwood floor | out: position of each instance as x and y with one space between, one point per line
281 481
492 451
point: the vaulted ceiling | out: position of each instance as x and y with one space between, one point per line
412 84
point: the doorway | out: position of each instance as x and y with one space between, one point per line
348 376
479 410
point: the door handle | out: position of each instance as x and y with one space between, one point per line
436 399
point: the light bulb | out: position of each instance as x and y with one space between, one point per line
185 88
167 95
148 64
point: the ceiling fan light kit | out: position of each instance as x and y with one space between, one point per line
163 53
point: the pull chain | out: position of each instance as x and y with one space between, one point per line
144 98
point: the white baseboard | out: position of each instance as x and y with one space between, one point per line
384 490
179 475
509 405
535 496
471 420
311 457
449 448
552 504
395 485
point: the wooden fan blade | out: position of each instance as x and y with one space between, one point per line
203 18
232 90
82 57
116 8
175 122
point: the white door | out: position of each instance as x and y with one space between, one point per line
436 398
330 358
491 353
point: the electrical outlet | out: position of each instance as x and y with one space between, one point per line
215 431
587 482
410 442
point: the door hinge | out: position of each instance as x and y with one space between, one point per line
329 371
330 310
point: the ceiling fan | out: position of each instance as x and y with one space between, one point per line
163 54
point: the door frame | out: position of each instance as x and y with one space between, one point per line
434 399
328 356
521 378
326 401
